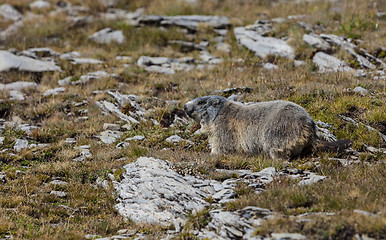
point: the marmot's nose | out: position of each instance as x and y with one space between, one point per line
188 109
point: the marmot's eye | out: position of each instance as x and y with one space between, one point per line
201 103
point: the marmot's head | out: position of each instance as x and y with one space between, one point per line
204 109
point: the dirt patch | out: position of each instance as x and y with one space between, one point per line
5 109
381 127
353 111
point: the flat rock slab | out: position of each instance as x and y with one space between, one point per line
54 91
240 224
311 179
191 22
76 61
39 4
151 192
289 236
262 46
327 63
17 86
9 61
165 65
316 41
108 35
109 136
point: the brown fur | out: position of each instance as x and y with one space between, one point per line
279 129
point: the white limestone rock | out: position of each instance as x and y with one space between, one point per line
224 194
208 58
135 138
151 192
223 47
361 91
16 95
311 179
316 41
60 194
288 236
109 136
327 63
144 61
17 86
9 61
107 36
111 107
58 182
159 69
77 61
234 225
64 81
70 55
164 65
263 46
8 12
190 22
114 14
39 4
111 126
174 139
84 153
54 91
270 66
70 140
11 30
20 144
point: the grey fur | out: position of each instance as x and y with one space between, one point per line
279 129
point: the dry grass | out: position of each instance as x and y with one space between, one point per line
29 211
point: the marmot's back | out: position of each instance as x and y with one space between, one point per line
280 129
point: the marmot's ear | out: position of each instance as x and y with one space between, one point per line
216 102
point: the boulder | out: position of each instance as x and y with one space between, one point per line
8 12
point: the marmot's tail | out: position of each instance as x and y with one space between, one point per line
338 146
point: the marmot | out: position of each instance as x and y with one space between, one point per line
279 129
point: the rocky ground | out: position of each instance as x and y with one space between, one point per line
94 143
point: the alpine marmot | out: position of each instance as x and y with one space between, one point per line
279 129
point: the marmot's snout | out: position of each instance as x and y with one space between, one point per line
188 108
